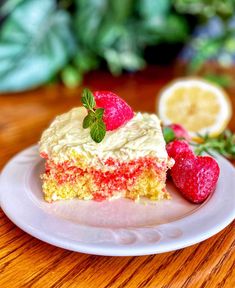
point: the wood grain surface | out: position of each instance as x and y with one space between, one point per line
28 262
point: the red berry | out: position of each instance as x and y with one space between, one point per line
180 132
117 112
176 147
195 176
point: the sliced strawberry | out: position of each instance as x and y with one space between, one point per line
177 147
195 176
116 111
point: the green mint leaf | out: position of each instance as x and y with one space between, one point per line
98 131
168 134
88 120
99 113
94 117
88 99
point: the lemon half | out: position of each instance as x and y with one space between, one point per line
198 105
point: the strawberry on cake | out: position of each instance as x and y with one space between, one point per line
104 150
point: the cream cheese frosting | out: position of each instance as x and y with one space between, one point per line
141 136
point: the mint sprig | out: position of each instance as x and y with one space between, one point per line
94 118
223 144
88 99
98 131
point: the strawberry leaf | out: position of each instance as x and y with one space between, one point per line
168 134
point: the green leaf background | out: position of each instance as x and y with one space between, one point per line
41 40
35 43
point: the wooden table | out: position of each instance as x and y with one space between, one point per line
28 262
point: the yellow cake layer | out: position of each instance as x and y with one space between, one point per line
147 185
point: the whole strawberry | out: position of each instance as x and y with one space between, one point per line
177 147
116 111
180 132
195 176
175 132
105 112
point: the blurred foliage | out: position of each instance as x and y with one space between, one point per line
41 40
118 32
206 8
214 42
215 39
223 80
35 43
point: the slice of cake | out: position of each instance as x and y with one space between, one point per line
130 160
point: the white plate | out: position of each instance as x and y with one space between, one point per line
119 227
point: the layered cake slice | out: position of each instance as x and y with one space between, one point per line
113 154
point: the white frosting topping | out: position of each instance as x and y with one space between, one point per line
141 136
